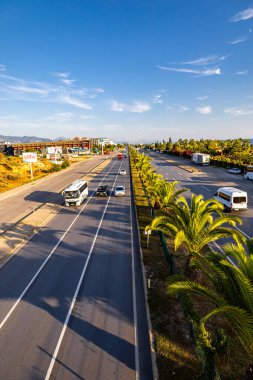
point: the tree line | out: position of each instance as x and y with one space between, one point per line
237 151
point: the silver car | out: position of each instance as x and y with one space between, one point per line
235 171
119 191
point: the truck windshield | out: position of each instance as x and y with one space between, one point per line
71 194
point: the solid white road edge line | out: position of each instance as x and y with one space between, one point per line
44 263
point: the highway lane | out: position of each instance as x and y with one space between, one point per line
206 182
102 331
20 201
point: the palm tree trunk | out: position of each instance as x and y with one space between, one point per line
191 273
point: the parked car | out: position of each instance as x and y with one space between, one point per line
119 191
102 191
234 171
122 172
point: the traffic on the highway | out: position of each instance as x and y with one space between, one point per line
206 180
72 298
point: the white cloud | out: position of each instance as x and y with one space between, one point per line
238 41
87 117
136 107
99 90
157 99
204 110
60 116
205 72
202 97
236 111
75 102
2 67
181 108
243 15
68 81
244 72
23 89
117 107
30 90
62 75
210 60
139 107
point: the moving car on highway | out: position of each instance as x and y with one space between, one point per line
102 191
119 191
248 174
234 171
122 172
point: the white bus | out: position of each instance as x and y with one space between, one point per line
232 198
248 174
75 193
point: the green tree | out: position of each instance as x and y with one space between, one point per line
164 194
230 292
195 225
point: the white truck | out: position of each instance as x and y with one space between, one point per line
232 198
201 158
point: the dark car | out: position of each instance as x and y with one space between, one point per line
102 191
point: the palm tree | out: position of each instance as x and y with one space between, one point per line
195 225
142 159
152 179
230 292
164 194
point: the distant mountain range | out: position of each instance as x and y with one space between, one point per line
27 139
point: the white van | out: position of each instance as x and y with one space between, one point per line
248 173
232 198
75 193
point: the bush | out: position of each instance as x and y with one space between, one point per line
55 168
65 164
13 176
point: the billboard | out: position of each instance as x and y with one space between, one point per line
54 150
29 157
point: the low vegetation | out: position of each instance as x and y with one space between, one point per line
14 172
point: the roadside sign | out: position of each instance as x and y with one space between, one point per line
29 157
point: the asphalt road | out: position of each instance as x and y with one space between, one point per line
207 182
72 300
18 202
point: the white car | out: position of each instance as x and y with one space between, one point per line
234 171
119 191
122 172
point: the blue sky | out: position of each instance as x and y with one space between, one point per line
130 70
